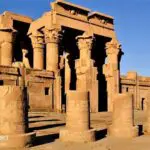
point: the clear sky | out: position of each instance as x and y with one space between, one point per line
132 25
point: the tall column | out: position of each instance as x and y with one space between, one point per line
7 37
77 119
52 39
84 43
112 70
122 117
85 70
57 94
38 50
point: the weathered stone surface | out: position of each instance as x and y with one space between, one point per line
6 47
13 118
139 86
57 94
52 39
77 118
9 70
38 50
85 70
122 118
111 70
147 124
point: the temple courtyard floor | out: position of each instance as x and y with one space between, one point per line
48 125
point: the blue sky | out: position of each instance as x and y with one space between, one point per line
132 23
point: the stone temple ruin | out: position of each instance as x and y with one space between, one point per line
67 61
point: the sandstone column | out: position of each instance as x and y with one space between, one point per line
13 119
52 39
7 37
112 70
84 43
147 123
85 70
38 50
77 119
57 94
122 117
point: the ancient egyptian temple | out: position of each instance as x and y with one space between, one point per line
68 48
60 80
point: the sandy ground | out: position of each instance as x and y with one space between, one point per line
48 125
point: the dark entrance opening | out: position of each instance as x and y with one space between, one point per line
69 45
99 55
22 41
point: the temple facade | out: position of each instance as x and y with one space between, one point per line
67 48
137 85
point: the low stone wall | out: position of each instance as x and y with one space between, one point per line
40 102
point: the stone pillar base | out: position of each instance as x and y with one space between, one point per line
17 141
127 132
74 136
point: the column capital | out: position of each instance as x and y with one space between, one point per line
52 35
85 41
113 47
37 39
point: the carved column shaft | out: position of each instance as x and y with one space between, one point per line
52 57
38 52
6 39
112 70
83 64
57 94
86 72
52 39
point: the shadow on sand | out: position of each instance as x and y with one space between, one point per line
45 139
34 121
101 134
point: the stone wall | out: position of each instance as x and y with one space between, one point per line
139 86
